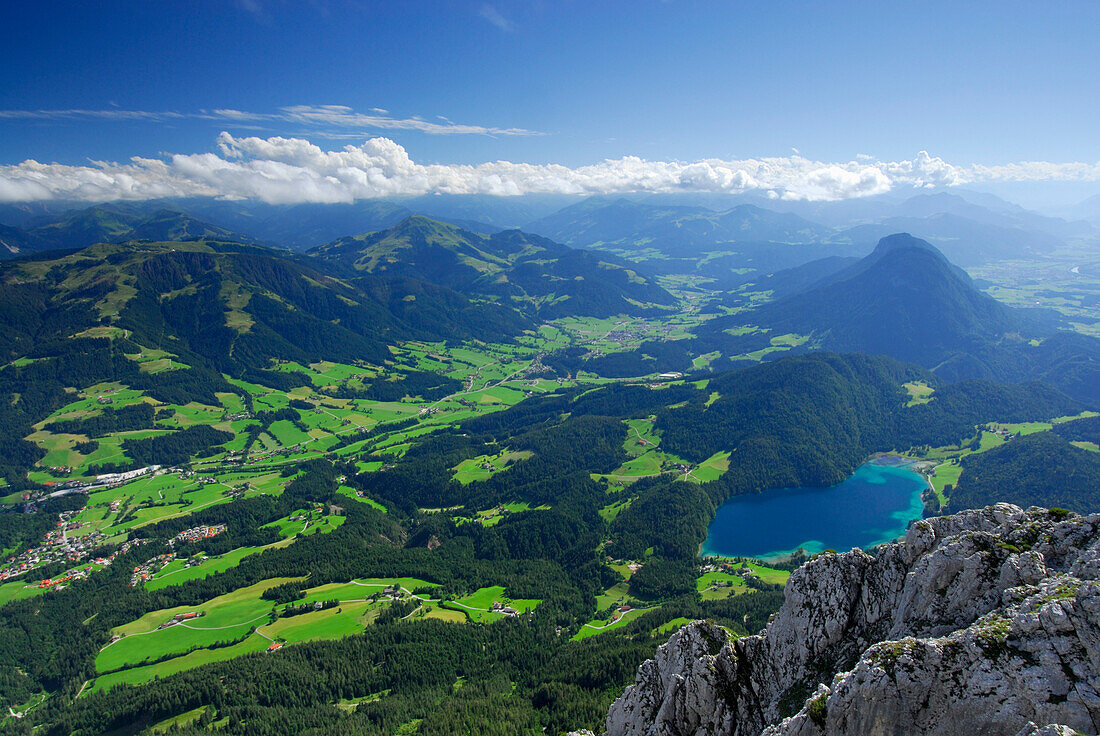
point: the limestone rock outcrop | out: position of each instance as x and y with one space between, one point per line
986 622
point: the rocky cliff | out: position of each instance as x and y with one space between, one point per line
985 622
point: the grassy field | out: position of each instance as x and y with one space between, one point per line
484 467
183 719
617 621
138 675
331 623
667 628
176 574
642 444
612 510
243 612
710 469
714 586
720 584
477 605
616 595
354 495
919 392
359 589
17 590
225 618
945 475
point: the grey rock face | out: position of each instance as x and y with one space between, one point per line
982 623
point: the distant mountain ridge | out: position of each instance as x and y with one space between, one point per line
675 230
111 224
303 226
510 266
965 241
970 227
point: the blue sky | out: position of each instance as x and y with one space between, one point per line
569 83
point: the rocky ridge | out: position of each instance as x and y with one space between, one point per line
985 622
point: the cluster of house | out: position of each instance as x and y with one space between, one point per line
238 491
58 546
192 475
196 533
630 564
499 607
282 451
536 367
60 581
77 573
149 568
623 336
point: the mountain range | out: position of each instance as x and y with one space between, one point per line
238 306
971 227
110 224
511 267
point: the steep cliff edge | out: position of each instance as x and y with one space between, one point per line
985 622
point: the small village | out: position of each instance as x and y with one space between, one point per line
197 533
76 573
58 546
146 570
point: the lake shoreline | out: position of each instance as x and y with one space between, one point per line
872 506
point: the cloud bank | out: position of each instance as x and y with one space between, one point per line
294 170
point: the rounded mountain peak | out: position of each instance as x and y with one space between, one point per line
898 241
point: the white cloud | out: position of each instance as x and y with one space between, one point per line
122 115
291 170
338 116
317 118
491 14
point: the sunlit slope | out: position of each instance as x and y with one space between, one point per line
529 272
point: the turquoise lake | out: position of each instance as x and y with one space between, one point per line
873 505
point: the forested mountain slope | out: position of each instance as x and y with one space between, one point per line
907 301
510 266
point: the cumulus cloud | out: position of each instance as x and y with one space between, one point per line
281 170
